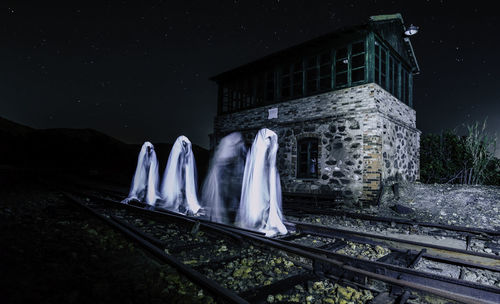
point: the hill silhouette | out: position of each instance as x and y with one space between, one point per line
80 151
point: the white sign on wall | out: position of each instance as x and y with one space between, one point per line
273 113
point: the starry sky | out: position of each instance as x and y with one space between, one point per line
138 70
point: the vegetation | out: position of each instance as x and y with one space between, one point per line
451 158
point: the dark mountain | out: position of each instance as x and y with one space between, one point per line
81 151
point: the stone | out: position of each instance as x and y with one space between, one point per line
338 174
354 125
402 209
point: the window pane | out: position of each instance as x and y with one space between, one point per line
383 68
341 53
312 77
377 63
341 80
407 88
358 61
297 83
358 47
391 75
341 65
403 84
286 81
307 158
270 86
325 83
260 89
311 62
225 100
325 70
325 58
358 75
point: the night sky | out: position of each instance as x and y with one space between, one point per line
140 71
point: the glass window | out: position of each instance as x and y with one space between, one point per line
358 47
269 86
307 158
377 62
341 67
407 88
260 83
325 71
358 62
225 100
358 75
403 85
286 82
392 83
297 79
383 68
311 75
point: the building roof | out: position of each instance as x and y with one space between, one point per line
388 27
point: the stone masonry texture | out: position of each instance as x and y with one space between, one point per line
366 137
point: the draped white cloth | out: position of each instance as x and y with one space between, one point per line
260 204
222 187
178 189
145 182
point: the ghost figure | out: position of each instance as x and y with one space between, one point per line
178 189
145 183
260 204
222 188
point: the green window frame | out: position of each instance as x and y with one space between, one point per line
325 71
286 82
358 62
307 157
311 74
298 79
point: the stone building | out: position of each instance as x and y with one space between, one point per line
341 105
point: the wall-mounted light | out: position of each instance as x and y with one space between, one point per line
411 30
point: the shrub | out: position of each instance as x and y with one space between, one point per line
451 158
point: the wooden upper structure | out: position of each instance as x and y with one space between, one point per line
377 51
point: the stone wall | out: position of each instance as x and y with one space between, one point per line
359 130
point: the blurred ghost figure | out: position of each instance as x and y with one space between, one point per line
260 204
145 183
222 187
178 189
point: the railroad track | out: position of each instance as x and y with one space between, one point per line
299 270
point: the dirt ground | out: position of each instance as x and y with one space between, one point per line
53 252
460 205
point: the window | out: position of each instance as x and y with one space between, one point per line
286 82
341 67
403 85
358 62
392 81
377 62
307 158
269 86
297 79
225 100
407 88
311 75
325 71
383 68
259 89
